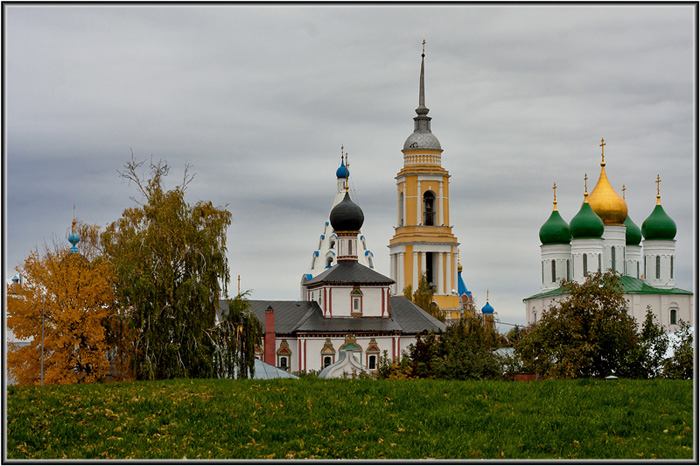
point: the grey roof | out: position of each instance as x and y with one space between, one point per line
412 318
422 140
264 370
307 317
315 322
350 272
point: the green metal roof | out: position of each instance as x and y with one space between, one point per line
555 230
630 285
659 225
586 224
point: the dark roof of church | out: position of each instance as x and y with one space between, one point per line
350 272
412 318
307 316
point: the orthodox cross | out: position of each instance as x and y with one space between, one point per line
658 182
623 191
585 183
423 46
602 150
555 194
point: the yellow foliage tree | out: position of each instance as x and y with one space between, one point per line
75 297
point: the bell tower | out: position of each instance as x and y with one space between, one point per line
423 242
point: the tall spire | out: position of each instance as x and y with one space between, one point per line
422 110
422 137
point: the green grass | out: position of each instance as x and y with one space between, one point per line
323 419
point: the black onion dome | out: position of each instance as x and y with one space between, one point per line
347 216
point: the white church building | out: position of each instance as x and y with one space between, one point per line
601 237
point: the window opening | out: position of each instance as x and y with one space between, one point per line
671 266
401 209
327 361
673 317
429 208
554 271
612 258
372 362
429 267
658 267
585 264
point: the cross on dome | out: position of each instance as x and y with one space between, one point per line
658 190
555 195
602 151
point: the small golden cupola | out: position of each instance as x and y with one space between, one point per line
604 201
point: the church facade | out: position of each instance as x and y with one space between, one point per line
348 314
601 237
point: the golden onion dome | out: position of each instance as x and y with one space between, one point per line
604 201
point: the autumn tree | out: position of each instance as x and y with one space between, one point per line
73 293
423 297
170 265
587 334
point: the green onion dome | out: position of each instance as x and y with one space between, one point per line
586 224
555 230
659 225
633 234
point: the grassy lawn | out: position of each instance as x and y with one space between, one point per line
364 419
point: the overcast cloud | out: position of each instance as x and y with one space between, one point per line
259 99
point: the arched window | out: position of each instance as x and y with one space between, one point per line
612 258
429 208
658 267
671 266
327 361
332 244
329 262
585 264
568 270
284 363
371 362
543 272
401 209
599 264
356 302
554 270
674 317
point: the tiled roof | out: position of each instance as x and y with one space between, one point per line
630 285
306 316
412 318
350 272
315 322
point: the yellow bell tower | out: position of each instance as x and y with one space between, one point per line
423 242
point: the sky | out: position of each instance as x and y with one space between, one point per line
258 99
